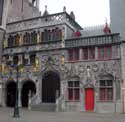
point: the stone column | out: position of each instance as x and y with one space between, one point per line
96 53
123 75
3 95
38 90
80 54
82 98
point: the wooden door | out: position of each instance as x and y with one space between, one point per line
89 99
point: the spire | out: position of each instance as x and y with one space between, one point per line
72 15
106 29
64 9
46 11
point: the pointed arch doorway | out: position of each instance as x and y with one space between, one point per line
27 87
50 87
10 94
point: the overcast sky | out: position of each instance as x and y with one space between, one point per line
87 12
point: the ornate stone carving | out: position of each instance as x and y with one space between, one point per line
95 68
81 69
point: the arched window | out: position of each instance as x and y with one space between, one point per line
45 35
15 60
10 41
38 37
42 36
49 35
24 39
32 58
33 37
27 38
17 39
53 34
60 34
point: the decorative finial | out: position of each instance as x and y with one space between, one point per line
106 22
64 9
72 15
45 7
45 12
106 29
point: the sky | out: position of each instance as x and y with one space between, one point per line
87 12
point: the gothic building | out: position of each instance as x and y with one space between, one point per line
62 66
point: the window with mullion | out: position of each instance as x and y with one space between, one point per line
106 90
108 52
85 54
73 90
70 55
76 54
101 52
91 53
32 59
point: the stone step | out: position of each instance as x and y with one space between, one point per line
48 107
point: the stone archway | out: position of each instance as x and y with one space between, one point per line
10 94
26 88
50 87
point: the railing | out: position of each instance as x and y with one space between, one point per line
93 40
41 21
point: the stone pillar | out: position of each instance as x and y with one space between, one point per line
80 54
123 75
38 90
82 98
96 53
64 94
3 95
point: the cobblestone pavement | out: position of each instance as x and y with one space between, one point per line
6 115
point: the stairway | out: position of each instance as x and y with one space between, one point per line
45 107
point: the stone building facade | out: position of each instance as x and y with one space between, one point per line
64 69
62 66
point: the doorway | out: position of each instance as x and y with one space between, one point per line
89 99
27 87
50 87
11 94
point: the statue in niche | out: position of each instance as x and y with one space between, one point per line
89 80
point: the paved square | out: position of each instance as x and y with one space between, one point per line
6 115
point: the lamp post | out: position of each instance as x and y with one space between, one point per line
16 107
